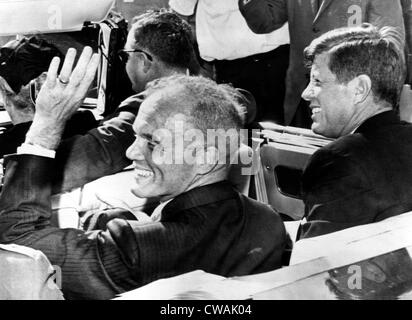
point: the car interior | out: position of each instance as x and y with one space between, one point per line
279 154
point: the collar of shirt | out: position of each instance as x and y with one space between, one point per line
157 213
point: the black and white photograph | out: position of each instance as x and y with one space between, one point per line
232 152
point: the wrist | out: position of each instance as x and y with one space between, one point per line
45 133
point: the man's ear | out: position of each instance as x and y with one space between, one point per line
363 87
147 63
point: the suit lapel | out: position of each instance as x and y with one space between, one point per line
325 4
315 6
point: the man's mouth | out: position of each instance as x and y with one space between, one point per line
143 173
316 110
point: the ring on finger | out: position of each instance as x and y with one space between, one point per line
65 82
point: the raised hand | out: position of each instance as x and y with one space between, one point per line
61 95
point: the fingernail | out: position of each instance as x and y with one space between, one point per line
71 51
96 56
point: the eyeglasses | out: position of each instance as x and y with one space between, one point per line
124 54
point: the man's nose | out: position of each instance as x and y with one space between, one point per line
135 151
308 93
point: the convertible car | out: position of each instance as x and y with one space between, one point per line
367 262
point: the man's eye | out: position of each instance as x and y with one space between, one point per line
317 82
151 145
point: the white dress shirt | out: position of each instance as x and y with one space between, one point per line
223 34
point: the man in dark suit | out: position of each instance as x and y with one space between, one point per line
366 174
202 223
163 44
308 19
159 44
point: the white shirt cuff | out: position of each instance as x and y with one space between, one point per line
36 150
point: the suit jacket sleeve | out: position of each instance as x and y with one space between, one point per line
264 16
387 13
337 193
100 152
407 16
96 264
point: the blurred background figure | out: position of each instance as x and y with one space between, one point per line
307 21
234 54
407 17
22 66
132 8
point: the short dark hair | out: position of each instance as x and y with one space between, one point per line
168 37
377 53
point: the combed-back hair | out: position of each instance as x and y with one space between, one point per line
211 105
168 37
377 53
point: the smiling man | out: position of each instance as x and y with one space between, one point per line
309 19
175 134
366 174
202 222
159 44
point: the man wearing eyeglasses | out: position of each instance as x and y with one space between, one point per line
202 223
166 51
159 44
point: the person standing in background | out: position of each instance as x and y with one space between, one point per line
131 8
256 63
407 17
307 21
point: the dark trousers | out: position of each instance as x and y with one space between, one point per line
263 75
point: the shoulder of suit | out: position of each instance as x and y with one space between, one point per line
348 151
344 144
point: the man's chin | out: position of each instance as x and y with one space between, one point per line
143 192
315 128
139 194
327 133
138 87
